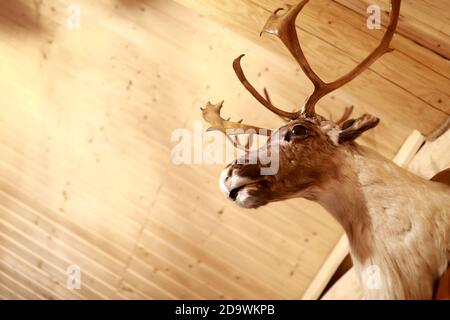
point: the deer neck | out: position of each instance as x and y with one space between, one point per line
357 196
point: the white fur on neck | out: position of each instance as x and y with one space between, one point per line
395 221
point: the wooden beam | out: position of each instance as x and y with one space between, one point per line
326 272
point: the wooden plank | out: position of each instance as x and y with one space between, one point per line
50 265
432 158
163 280
425 22
326 272
347 288
14 283
201 257
24 279
409 149
7 294
178 273
51 241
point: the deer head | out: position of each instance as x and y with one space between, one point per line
310 148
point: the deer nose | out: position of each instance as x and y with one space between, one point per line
236 176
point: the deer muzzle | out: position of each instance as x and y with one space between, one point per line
242 184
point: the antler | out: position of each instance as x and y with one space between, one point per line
345 116
265 102
211 114
283 26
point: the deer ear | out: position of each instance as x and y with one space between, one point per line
353 128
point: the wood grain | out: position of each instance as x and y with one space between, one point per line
424 22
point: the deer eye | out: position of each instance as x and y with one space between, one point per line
299 130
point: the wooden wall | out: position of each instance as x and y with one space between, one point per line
86 119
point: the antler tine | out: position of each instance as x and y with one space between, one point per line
345 116
237 144
267 96
283 26
211 114
265 102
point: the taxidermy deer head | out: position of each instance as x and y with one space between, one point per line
394 220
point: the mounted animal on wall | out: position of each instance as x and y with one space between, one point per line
396 222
